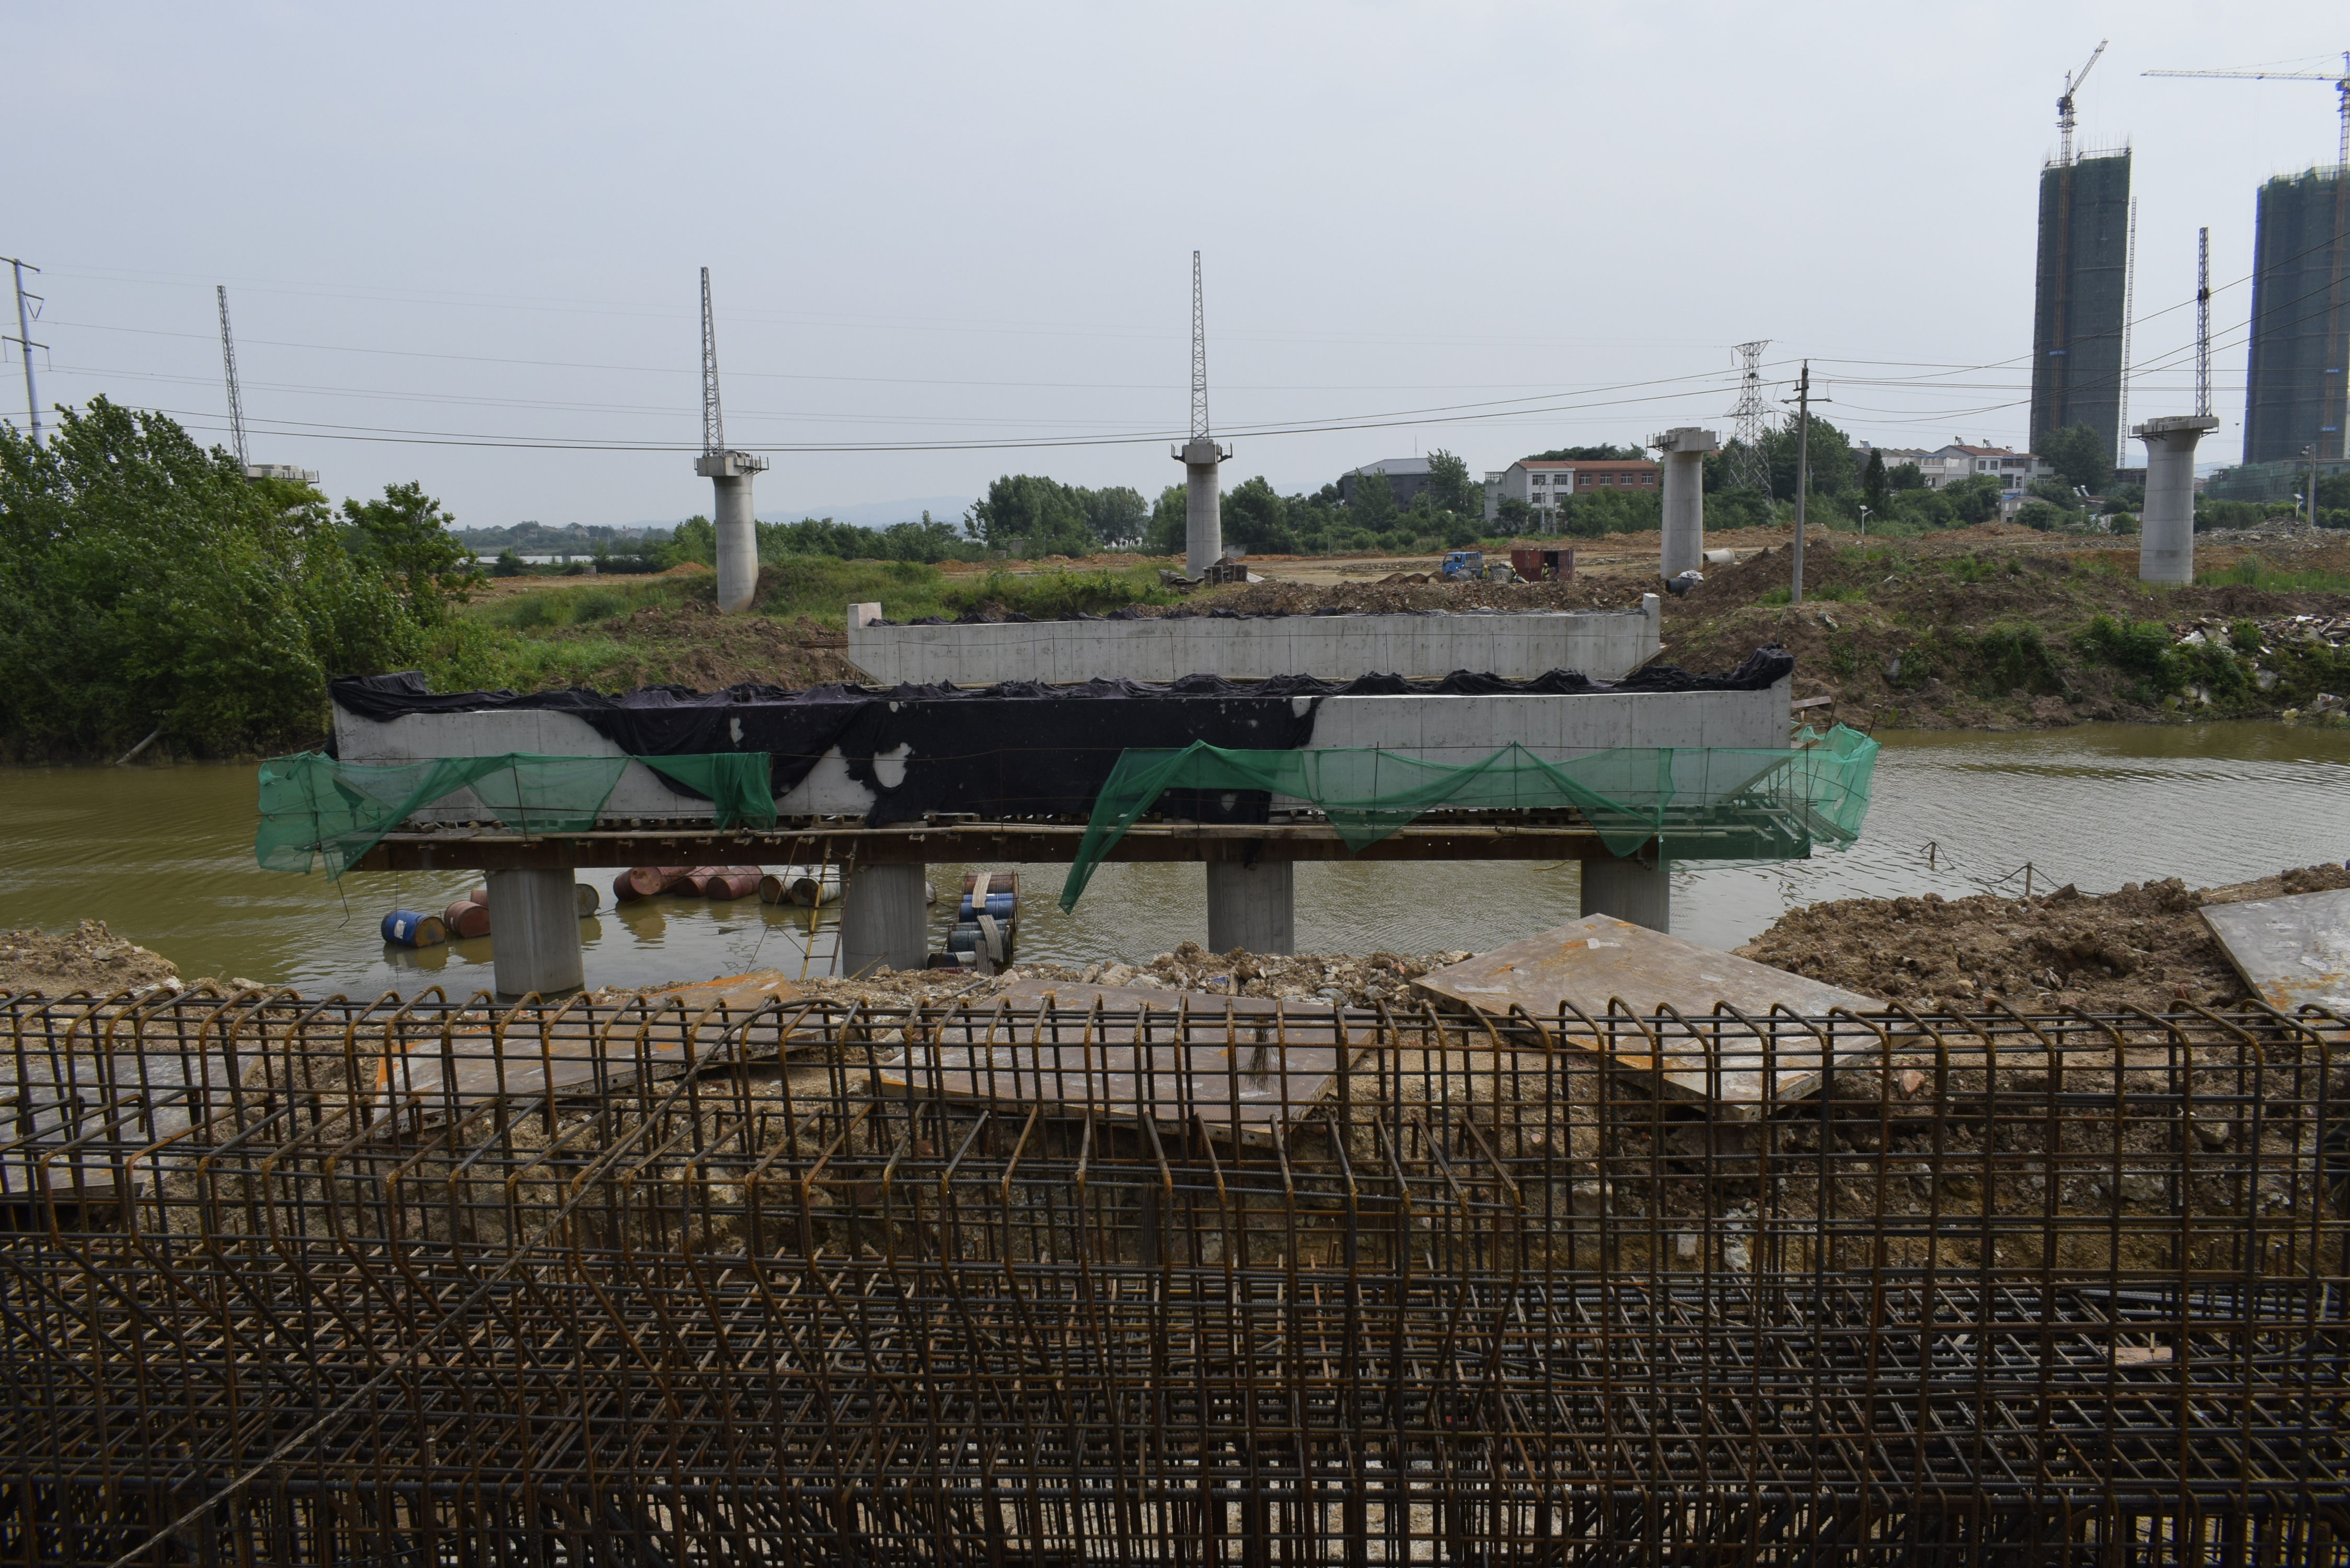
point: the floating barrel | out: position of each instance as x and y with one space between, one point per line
466 919
479 896
694 883
801 885
625 889
589 899
673 878
998 905
642 882
407 929
732 885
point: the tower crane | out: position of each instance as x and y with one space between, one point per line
2073 80
2341 80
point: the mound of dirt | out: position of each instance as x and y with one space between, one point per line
1351 980
1304 598
2145 946
88 957
691 644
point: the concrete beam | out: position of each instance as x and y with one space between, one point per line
534 933
884 921
1252 907
2165 544
1683 451
1629 890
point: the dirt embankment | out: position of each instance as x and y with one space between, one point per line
1930 634
88 958
1351 980
691 644
2145 946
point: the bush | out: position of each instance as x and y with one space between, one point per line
2142 648
2015 656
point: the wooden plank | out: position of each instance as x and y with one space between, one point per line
1599 961
1244 1066
2292 951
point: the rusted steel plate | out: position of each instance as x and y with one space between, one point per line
1244 1067
1600 964
592 1048
2293 950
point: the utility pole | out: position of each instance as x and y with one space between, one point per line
1803 471
228 362
24 340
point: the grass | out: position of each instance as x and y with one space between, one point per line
2251 571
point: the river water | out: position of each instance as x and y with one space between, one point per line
164 856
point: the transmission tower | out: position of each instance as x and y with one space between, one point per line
714 423
2203 321
228 363
24 340
1199 356
1750 468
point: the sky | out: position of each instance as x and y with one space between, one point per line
461 244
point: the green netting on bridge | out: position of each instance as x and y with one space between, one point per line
1747 804
313 805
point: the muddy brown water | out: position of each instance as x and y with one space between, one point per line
164 856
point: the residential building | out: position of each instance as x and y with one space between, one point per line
1406 477
2080 287
2293 395
2013 470
1542 482
1895 456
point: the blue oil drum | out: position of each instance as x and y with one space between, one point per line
408 929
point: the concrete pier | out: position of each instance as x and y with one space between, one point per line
2166 545
535 922
884 922
1683 451
1629 890
1253 908
1203 531
738 532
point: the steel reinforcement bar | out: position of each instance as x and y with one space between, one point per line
958 1282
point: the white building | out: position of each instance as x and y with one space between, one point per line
1542 482
2013 470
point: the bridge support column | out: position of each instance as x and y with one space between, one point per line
1253 907
1629 890
535 932
884 922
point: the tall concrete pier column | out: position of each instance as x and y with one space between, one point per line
738 531
2166 543
1204 519
1629 890
534 933
883 920
1253 907
1683 451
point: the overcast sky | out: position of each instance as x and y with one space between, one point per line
461 241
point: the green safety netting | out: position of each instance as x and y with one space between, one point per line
312 805
1748 804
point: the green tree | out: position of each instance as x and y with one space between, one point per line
1374 506
1256 519
1829 460
2080 456
1906 477
1044 516
692 540
1974 499
508 565
1515 516
405 537
1171 522
1449 484
1873 483
1117 515
1601 453
146 583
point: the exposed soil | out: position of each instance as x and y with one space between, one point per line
1352 980
88 958
2144 946
1983 628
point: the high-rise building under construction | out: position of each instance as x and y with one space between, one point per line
2294 398
2080 301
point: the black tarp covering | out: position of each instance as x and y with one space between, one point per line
1019 748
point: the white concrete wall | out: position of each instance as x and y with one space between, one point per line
1442 728
1606 645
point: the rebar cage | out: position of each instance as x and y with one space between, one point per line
294 1281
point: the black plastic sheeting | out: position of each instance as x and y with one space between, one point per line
1019 748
